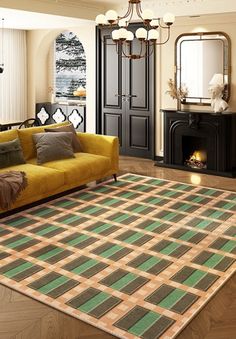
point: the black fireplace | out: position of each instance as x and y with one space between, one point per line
200 141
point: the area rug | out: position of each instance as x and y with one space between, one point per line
137 258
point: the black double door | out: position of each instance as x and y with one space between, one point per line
125 96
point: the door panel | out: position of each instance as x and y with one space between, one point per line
138 84
138 80
139 131
140 111
112 80
112 125
112 106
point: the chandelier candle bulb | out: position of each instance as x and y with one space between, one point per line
147 15
154 23
122 23
130 36
122 33
141 34
153 35
115 35
111 16
101 20
169 19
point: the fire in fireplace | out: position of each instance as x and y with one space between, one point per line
198 160
194 150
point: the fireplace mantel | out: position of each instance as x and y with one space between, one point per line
214 133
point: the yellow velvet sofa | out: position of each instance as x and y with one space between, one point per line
98 160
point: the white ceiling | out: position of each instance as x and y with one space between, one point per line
183 7
105 2
17 19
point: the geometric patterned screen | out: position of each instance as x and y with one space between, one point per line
47 113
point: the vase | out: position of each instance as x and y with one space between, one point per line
52 98
178 105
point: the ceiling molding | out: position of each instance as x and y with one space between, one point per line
18 19
75 3
71 8
184 7
211 19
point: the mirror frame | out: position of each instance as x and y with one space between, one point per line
226 66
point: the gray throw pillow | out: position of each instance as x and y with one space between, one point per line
11 153
68 128
53 146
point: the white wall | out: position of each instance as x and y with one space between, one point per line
39 45
87 37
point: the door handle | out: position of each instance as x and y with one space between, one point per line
126 95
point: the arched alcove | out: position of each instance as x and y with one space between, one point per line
40 76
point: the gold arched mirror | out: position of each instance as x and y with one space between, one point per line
198 57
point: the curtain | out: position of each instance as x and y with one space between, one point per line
13 81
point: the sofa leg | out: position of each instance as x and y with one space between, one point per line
115 177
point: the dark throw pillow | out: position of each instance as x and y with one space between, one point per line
11 153
53 146
68 128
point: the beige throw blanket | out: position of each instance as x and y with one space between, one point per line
11 185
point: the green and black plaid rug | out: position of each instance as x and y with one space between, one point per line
137 258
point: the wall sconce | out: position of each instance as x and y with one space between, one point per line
2 40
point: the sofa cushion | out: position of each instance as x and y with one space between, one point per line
75 139
53 146
8 135
40 179
26 139
83 167
11 153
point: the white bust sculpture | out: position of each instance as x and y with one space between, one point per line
216 88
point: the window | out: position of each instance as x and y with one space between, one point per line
70 66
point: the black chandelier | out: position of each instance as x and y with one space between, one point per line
147 35
2 40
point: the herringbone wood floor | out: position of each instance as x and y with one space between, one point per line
24 318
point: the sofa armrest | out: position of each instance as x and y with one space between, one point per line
101 145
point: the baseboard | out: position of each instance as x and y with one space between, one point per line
158 158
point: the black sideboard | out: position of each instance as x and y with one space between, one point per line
47 113
7 125
199 141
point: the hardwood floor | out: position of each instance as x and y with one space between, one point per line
24 318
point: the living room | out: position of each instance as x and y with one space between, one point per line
157 173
